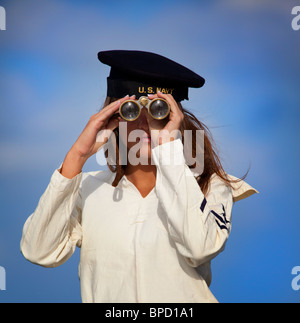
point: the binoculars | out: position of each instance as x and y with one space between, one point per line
158 108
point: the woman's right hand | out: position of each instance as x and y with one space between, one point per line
89 142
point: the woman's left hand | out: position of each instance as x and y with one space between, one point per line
171 126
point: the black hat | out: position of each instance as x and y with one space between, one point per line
142 73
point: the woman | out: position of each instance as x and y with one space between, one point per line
147 230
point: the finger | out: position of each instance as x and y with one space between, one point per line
122 100
112 124
107 114
110 106
110 110
170 99
167 97
152 96
114 104
104 134
174 109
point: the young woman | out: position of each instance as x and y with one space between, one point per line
147 230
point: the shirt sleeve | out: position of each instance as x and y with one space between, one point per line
51 233
198 225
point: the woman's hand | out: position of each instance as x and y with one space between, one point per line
171 125
89 141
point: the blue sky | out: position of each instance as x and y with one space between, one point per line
51 83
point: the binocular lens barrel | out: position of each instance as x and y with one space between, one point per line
130 111
159 109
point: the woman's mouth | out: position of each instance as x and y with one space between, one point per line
146 138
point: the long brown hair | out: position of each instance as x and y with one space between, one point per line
212 163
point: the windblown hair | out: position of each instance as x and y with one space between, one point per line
212 163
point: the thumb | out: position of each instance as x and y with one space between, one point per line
113 123
104 134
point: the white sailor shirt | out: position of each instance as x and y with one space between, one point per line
155 249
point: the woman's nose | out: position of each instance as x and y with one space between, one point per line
143 118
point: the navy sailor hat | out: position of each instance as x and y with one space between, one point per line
140 73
